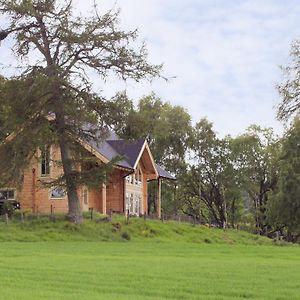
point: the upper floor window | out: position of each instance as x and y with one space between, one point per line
135 178
45 161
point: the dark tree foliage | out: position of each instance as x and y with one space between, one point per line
207 189
289 89
256 159
284 209
167 129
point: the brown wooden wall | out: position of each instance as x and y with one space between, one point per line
36 197
115 192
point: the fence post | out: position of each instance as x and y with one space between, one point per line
52 218
22 217
6 218
92 212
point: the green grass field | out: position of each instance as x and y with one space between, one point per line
160 261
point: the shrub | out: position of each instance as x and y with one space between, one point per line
207 241
116 227
8 208
125 236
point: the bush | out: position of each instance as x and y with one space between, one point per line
125 236
7 208
207 241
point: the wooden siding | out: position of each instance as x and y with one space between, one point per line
34 196
115 192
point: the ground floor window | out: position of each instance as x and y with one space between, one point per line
134 204
9 194
85 196
57 193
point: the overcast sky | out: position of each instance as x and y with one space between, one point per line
225 55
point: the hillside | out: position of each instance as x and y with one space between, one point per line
119 230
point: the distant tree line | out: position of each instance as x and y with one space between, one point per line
248 181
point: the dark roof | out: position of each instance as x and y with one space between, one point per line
163 173
113 146
129 149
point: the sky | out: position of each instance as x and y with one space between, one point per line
222 56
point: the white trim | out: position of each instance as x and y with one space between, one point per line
56 198
140 154
50 162
5 189
145 145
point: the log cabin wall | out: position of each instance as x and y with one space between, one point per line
115 192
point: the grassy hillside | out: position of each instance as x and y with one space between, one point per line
151 260
120 230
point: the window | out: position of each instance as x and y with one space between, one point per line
85 196
57 193
139 177
127 201
136 178
45 161
9 194
131 204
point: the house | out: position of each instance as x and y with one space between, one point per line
125 192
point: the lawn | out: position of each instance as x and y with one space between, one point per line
148 268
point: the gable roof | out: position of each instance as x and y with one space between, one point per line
131 151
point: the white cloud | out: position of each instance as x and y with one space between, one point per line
225 55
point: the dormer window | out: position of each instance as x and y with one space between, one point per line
45 161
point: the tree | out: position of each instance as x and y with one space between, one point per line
256 157
207 189
289 90
167 129
284 207
63 47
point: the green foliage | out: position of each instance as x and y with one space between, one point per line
7 208
209 187
35 229
289 88
166 127
284 210
256 154
125 236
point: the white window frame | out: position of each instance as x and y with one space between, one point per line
56 198
85 192
9 189
49 162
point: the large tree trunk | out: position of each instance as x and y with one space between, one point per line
74 212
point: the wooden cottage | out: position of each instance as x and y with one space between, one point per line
126 190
